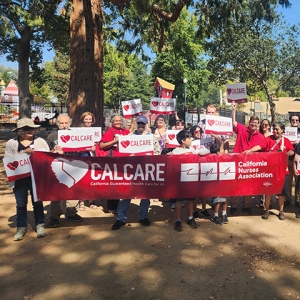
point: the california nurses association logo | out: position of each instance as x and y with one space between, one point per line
207 171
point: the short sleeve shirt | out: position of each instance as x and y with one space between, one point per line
245 139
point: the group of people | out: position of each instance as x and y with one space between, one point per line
254 137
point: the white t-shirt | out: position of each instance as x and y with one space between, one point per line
180 150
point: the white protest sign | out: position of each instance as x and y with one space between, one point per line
218 125
162 105
203 145
291 133
96 131
236 92
78 139
172 139
17 166
136 144
298 163
132 108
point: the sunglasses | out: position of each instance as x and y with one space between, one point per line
27 128
264 124
295 120
140 123
197 131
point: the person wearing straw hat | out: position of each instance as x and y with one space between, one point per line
26 142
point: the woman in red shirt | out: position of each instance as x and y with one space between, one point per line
276 143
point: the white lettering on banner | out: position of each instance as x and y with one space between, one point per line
226 171
141 172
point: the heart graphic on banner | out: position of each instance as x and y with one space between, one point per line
171 136
211 122
126 107
65 138
13 165
125 144
154 103
195 147
69 172
228 92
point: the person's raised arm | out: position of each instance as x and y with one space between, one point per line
131 128
233 113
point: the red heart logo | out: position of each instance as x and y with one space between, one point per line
171 136
65 138
13 165
195 147
154 103
125 144
211 122
126 107
228 92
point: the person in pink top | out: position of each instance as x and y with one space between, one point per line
276 143
247 137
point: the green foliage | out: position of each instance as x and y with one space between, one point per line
7 74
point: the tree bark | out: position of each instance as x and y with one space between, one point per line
25 98
86 61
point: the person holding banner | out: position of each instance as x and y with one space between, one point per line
197 133
57 208
294 121
124 204
184 138
247 137
108 146
87 119
297 173
276 143
26 142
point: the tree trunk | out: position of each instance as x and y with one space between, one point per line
25 98
271 102
86 61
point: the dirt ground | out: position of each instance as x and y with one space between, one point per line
249 258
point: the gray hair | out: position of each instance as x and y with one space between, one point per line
57 119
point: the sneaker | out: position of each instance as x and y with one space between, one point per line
196 214
20 233
281 216
287 203
178 226
192 223
145 222
205 213
298 215
265 216
217 220
40 230
233 210
247 210
118 225
172 205
75 218
224 219
54 223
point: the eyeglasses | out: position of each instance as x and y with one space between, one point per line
117 121
197 131
254 123
295 120
27 128
276 129
160 120
264 124
140 123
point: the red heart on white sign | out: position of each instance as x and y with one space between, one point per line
69 172
13 165
211 122
125 144
171 136
154 103
228 92
126 107
65 138
195 147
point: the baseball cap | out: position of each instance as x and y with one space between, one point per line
142 119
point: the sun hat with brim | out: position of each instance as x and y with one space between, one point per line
25 122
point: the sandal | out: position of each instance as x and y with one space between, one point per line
93 206
81 206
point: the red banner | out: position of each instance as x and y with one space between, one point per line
177 176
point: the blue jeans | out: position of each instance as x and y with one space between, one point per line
21 195
124 206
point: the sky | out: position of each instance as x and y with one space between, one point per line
291 15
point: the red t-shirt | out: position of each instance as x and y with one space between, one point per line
245 140
109 135
269 145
